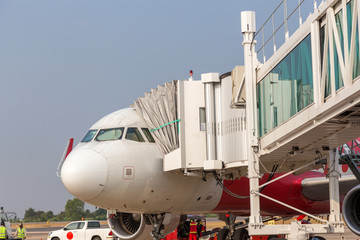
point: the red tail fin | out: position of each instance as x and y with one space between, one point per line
69 147
67 151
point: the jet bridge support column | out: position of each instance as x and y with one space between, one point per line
335 216
248 29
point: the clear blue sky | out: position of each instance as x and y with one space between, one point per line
65 64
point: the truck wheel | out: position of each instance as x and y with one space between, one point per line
274 237
241 234
55 238
96 238
317 237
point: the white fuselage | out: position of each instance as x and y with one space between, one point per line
127 175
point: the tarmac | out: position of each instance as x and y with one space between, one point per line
42 234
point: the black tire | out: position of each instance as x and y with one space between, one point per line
55 238
274 237
317 237
241 234
223 233
96 238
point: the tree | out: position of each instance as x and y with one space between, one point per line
49 215
29 214
99 214
74 209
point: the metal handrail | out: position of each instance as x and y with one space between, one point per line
283 24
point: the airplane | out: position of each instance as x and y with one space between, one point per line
118 166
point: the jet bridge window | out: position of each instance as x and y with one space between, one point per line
110 134
134 135
89 135
148 135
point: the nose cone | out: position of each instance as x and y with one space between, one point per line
84 173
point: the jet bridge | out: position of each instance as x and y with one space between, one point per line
308 91
305 99
195 124
290 111
302 103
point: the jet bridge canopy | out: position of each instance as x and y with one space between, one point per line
159 110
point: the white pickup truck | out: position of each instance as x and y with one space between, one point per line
82 230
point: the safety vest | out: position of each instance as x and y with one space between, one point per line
193 227
202 227
3 232
21 233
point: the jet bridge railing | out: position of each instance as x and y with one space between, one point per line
281 24
350 155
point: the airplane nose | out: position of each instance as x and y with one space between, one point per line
84 173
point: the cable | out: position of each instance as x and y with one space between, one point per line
219 181
274 169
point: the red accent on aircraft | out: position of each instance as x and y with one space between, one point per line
326 169
191 73
69 235
288 190
301 217
70 147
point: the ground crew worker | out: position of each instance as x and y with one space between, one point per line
3 231
200 228
193 230
20 232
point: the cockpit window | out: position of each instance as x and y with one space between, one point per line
110 134
134 135
148 135
89 135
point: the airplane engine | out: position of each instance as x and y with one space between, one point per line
351 210
129 226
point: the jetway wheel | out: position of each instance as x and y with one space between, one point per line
241 234
223 234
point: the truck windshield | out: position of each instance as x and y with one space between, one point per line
72 226
89 135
